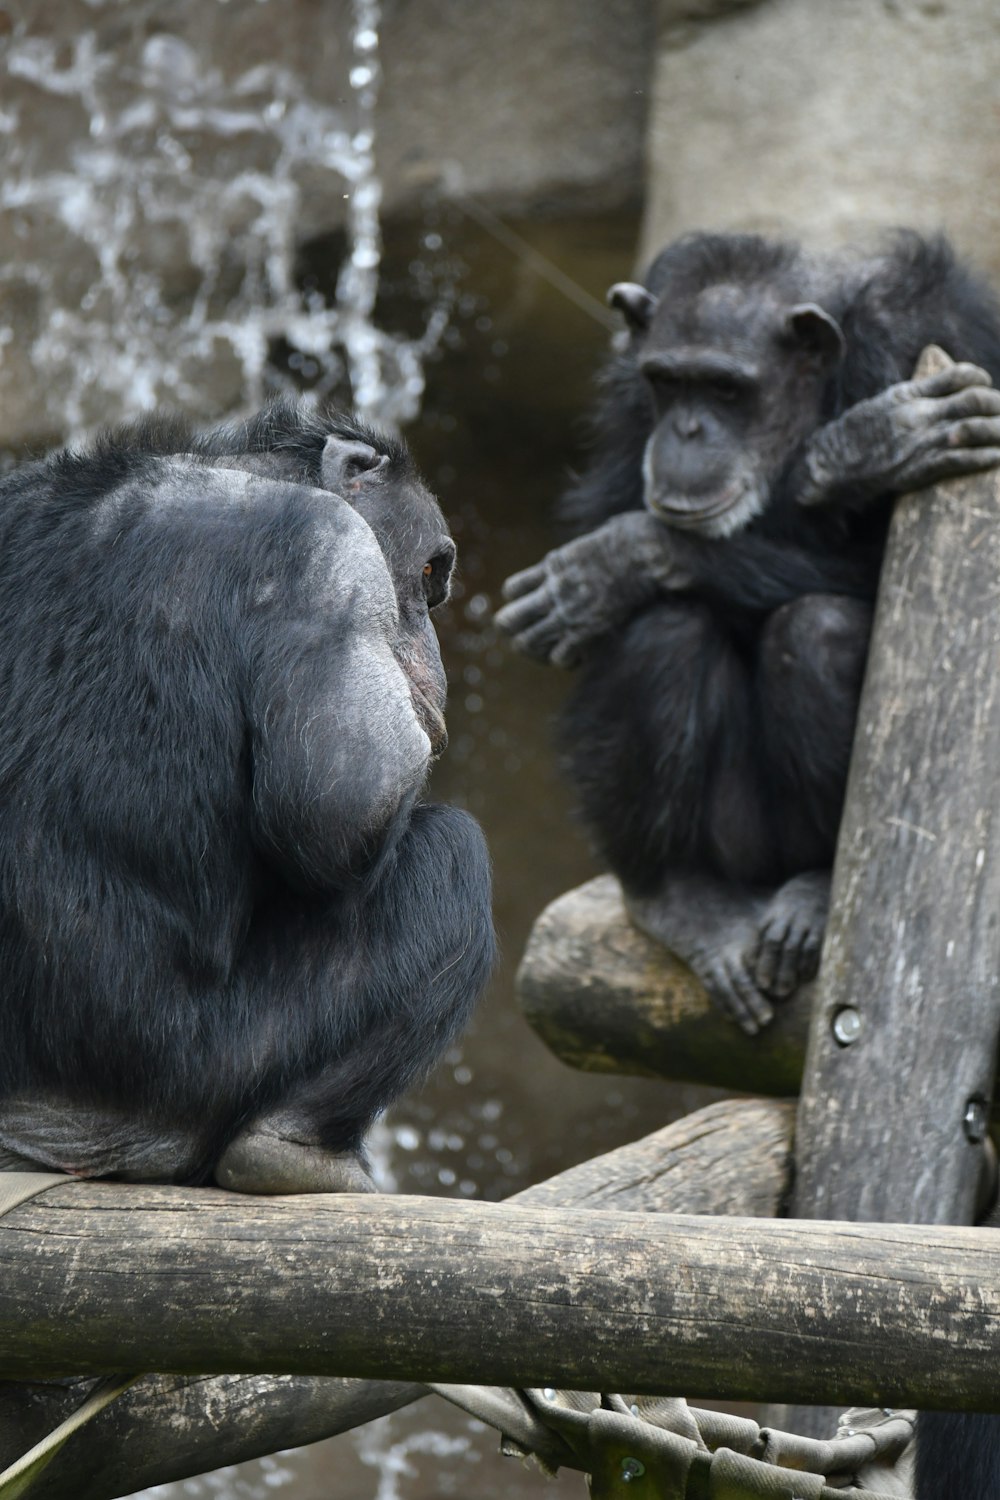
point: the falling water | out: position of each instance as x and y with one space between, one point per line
186 197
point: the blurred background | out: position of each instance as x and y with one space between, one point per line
415 207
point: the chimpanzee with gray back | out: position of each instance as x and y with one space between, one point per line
230 932
753 429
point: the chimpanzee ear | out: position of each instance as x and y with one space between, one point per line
815 330
635 302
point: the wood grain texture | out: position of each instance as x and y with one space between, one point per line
730 1158
607 999
98 1278
913 944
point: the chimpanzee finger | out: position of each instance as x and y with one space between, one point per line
754 1006
567 652
974 401
792 964
521 613
975 432
952 463
719 986
954 378
763 962
539 639
524 582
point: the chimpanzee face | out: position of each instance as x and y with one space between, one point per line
735 380
383 488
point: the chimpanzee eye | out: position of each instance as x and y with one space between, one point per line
436 578
726 390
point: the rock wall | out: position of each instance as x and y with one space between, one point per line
827 120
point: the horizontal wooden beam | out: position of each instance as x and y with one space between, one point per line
96 1278
733 1157
607 999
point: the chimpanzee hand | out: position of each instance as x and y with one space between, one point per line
910 435
785 952
587 588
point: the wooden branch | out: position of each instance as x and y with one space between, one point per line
170 1427
411 1288
607 999
906 1024
731 1158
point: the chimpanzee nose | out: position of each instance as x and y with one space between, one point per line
687 425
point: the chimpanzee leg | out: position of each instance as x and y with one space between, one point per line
810 667
393 972
660 743
670 781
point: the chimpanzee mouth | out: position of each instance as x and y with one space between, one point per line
719 515
430 718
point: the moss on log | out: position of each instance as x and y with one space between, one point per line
607 999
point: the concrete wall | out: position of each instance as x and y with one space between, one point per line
826 119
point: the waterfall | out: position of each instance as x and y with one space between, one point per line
161 235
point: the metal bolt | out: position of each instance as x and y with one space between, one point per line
632 1469
549 1393
975 1119
846 1026
634 1410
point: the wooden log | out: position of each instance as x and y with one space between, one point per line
171 1427
428 1289
607 999
730 1158
906 1021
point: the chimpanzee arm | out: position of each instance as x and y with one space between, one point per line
586 589
382 981
590 587
908 436
337 749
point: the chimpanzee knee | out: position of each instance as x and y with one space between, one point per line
818 643
661 712
428 920
810 668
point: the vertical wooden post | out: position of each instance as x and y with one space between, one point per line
902 1047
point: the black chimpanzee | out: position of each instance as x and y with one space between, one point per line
751 435
230 933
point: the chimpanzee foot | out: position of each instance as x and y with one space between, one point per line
258 1161
786 951
712 928
731 986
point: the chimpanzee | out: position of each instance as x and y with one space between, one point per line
753 429
230 931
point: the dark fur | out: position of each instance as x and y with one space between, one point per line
171 958
712 734
643 751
